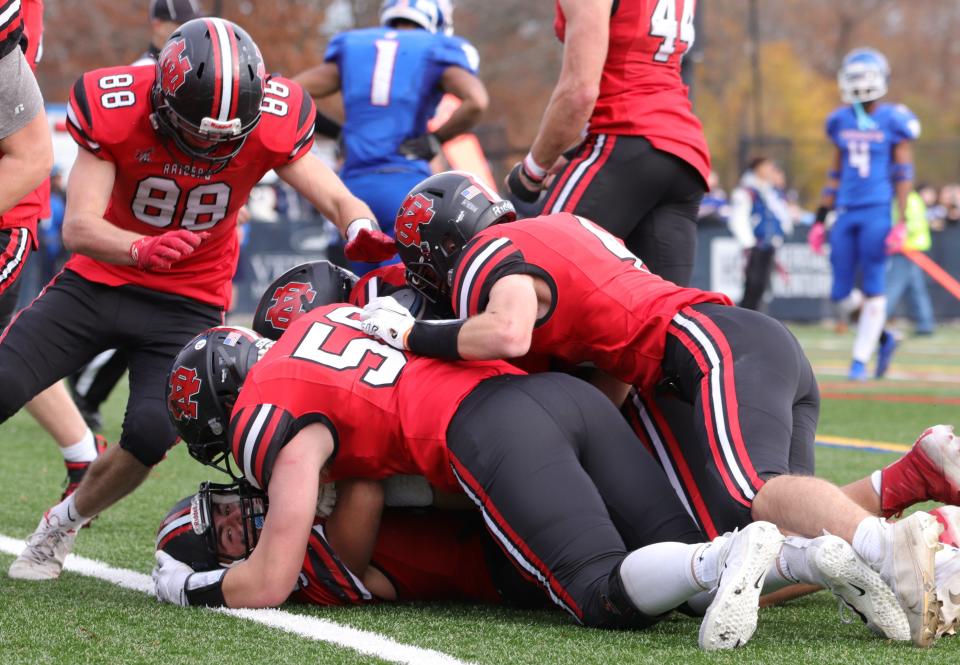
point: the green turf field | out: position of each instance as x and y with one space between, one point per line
78 619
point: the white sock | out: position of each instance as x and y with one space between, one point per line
875 479
872 319
65 515
868 540
84 450
659 577
849 305
793 560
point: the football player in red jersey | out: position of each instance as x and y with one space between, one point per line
642 169
561 286
326 398
169 154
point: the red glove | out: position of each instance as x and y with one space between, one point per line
816 238
366 242
896 238
162 251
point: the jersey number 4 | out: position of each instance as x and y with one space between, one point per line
664 24
357 352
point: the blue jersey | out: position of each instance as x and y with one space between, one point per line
867 154
390 81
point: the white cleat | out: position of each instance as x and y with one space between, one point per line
857 586
731 618
907 566
42 558
948 590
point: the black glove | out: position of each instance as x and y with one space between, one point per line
424 147
518 188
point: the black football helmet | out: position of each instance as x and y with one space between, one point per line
189 534
437 218
204 382
299 290
209 87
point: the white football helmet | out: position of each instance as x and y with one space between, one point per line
863 76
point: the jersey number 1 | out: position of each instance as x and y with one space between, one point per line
663 24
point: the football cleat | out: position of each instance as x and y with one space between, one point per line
930 471
731 618
948 588
857 586
858 371
888 344
907 566
46 548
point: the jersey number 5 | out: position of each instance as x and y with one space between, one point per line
663 24
354 354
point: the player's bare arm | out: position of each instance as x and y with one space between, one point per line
474 100
818 234
320 81
353 525
27 160
504 329
266 578
85 231
903 179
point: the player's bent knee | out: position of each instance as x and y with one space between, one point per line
13 396
147 433
612 609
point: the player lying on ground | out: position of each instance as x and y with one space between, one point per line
168 155
559 286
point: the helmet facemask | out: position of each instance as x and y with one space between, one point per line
214 508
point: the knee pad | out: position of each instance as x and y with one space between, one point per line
147 431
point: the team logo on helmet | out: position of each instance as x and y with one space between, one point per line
184 385
415 211
288 301
174 67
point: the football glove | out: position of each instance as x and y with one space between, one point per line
176 582
895 238
522 185
816 238
425 147
387 320
366 242
162 251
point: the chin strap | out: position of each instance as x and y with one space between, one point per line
864 121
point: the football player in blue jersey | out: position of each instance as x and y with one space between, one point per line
392 77
873 161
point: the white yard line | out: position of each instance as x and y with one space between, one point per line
321 630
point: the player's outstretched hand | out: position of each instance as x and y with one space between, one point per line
895 238
162 251
426 147
366 242
816 238
522 185
387 320
170 579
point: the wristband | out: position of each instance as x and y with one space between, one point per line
828 191
533 170
205 589
821 215
901 172
358 225
436 339
833 174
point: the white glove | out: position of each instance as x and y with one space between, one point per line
326 499
387 320
170 579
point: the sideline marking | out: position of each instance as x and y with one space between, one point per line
861 444
320 630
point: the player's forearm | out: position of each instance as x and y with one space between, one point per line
903 189
566 116
246 585
92 235
488 336
353 526
466 116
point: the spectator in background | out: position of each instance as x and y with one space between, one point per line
165 17
950 200
904 277
935 211
759 220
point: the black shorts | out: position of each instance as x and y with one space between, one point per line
645 196
564 486
15 246
73 320
739 405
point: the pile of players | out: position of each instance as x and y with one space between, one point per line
617 525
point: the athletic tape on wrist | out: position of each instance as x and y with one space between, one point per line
533 170
902 172
359 224
206 588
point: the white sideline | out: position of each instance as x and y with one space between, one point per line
321 630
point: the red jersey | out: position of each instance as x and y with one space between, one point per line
388 410
160 189
36 204
383 281
641 92
427 555
607 308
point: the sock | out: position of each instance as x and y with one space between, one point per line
875 480
868 540
873 316
66 515
849 305
659 577
84 450
793 561
946 565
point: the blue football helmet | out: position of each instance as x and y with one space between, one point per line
863 76
445 24
425 13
